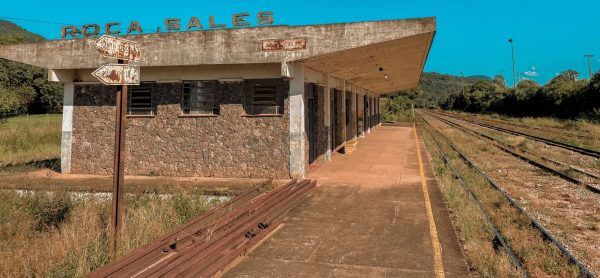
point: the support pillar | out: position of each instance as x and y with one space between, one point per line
327 115
343 108
368 114
372 110
298 162
354 114
360 98
67 128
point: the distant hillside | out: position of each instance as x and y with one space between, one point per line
13 33
437 87
25 89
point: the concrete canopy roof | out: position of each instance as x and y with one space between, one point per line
351 51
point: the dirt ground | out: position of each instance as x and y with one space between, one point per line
46 179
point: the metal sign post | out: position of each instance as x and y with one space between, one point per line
121 74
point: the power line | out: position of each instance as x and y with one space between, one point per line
589 57
35 20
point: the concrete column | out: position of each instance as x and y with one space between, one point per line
353 119
378 111
360 98
67 129
327 115
297 135
343 107
372 112
368 113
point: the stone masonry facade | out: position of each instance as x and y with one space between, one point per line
231 144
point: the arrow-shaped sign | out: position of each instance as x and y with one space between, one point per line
118 48
118 74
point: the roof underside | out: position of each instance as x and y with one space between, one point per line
350 51
400 60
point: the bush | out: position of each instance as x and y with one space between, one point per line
49 209
190 206
15 101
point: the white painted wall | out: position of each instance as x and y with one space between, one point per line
297 134
67 128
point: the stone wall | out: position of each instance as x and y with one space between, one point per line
169 144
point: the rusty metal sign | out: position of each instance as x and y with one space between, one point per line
118 48
284 44
118 74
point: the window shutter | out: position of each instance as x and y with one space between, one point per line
281 95
155 98
247 96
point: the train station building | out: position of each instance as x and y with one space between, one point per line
257 102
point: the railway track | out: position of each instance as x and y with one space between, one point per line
534 223
210 243
498 236
508 149
546 130
571 147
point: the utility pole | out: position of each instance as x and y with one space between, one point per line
512 46
589 57
462 83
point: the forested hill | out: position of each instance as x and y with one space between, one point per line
25 89
13 33
437 86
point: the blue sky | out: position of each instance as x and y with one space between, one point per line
550 36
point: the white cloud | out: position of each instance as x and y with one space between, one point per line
532 72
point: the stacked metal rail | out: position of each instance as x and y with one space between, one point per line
208 244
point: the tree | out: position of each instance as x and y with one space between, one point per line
499 80
528 87
15 101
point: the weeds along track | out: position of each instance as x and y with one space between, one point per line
569 212
499 239
567 172
564 145
571 163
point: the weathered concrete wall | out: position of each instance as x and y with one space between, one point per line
229 46
229 145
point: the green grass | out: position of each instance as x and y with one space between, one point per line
26 139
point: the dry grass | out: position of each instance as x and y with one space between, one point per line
27 139
557 129
60 235
475 235
539 257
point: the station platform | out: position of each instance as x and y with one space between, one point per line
375 213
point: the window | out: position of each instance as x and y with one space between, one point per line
200 98
264 100
139 102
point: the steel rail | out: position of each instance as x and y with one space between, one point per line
516 261
506 149
548 129
164 243
545 233
582 171
186 261
581 150
212 241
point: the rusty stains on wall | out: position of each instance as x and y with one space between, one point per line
284 44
